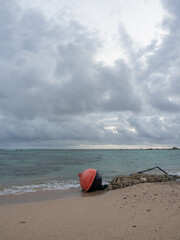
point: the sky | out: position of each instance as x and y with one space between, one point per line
89 74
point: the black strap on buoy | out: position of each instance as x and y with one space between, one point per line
152 169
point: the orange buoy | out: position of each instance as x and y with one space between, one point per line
90 180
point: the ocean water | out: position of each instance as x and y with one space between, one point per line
39 170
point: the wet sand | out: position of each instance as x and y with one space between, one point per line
144 211
40 196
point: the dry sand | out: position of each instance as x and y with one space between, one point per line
145 211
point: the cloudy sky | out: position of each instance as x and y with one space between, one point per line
89 74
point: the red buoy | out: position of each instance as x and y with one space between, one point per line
90 180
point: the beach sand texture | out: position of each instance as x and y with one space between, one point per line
144 211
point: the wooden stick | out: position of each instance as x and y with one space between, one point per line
152 169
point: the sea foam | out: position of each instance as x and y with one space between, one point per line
54 185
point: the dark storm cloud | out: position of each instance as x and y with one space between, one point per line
97 88
48 78
80 85
54 94
161 78
146 130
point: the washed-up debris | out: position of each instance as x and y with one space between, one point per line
133 179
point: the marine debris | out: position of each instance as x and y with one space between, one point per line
90 180
136 178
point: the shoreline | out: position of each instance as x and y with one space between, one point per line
50 195
47 195
140 212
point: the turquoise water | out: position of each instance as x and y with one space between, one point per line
34 170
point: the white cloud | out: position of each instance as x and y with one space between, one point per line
55 91
141 19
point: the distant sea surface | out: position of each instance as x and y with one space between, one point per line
39 170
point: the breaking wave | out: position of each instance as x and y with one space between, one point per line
54 185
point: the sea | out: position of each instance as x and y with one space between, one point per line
24 171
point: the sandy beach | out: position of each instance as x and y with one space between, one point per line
144 211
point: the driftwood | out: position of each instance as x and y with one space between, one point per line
133 179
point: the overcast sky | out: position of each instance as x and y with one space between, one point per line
89 74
